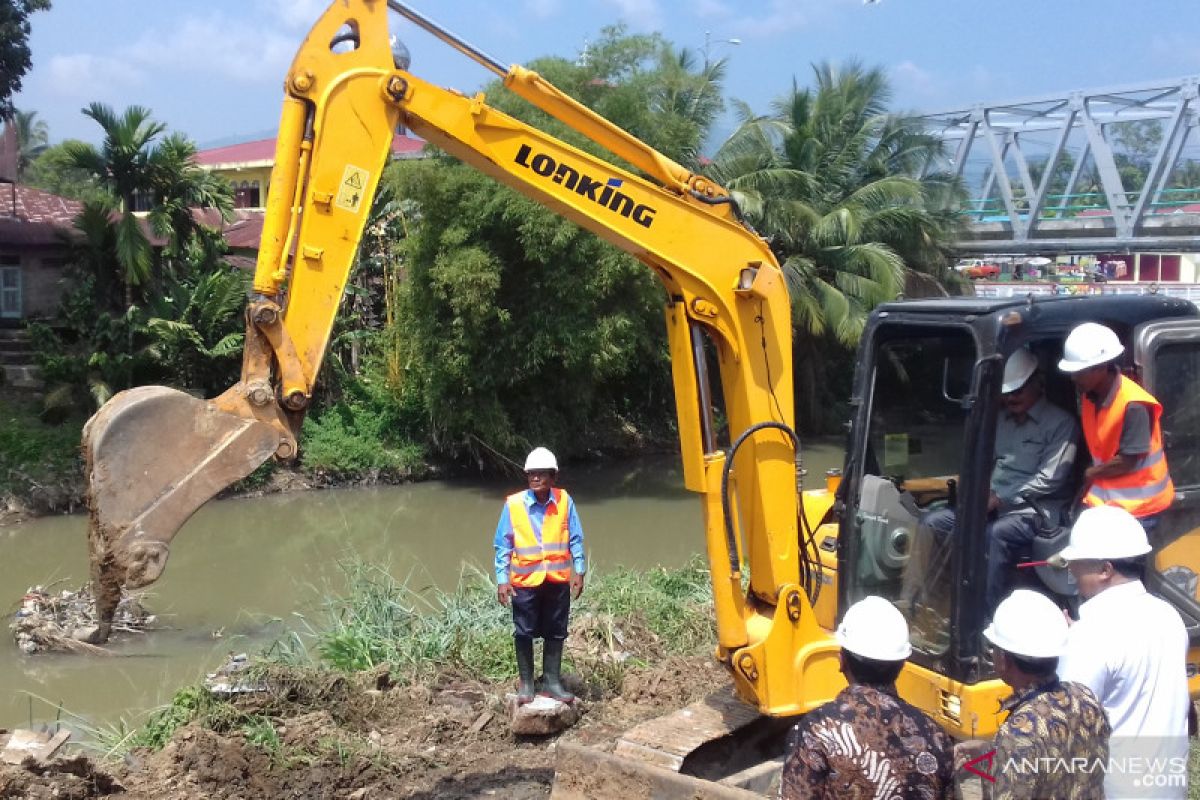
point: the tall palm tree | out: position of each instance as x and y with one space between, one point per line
33 137
121 166
851 197
129 164
685 97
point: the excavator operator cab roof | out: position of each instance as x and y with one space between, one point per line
924 409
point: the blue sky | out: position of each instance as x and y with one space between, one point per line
212 69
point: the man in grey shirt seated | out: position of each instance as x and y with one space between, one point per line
1035 453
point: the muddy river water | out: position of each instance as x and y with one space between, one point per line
241 569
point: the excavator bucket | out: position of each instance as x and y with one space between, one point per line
153 456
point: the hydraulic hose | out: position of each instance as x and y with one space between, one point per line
730 537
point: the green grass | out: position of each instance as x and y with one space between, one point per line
424 634
355 441
39 463
379 620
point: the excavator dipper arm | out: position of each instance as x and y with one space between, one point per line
344 99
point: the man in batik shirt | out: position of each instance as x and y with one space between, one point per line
867 743
1055 740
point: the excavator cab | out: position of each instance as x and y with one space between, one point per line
925 405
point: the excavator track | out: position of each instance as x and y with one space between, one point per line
718 747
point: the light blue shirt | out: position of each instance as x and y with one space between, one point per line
503 541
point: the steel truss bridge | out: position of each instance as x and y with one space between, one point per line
1049 174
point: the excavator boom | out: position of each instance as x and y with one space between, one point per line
725 295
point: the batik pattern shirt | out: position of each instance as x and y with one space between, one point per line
867 744
1048 728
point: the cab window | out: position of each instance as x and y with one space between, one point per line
917 428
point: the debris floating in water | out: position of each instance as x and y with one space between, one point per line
65 621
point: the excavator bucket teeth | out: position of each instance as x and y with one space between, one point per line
153 456
585 773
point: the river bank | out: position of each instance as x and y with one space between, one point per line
323 735
387 698
41 466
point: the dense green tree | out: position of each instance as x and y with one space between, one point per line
517 327
1186 175
132 166
184 328
15 58
852 200
55 171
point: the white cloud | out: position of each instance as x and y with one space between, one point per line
89 77
908 79
294 14
782 16
706 9
542 9
642 15
1176 52
213 46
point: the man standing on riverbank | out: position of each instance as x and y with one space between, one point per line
539 567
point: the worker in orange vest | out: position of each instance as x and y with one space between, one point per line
1121 423
540 566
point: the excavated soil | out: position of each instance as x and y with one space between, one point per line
326 736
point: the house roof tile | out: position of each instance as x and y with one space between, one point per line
32 216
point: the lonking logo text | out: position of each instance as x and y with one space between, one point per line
607 194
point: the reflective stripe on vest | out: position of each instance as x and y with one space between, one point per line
1148 488
549 560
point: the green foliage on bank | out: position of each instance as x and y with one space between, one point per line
624 618
40 463
476 323
365 434
423 632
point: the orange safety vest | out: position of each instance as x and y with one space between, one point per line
1148 489
549 560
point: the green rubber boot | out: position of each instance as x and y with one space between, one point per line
524 646
552 671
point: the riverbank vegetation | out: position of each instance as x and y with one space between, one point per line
383 633
477 323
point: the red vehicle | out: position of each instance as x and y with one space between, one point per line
977 269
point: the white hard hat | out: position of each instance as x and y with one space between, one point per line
1089 345
874 628
1105 533
540 458
1018 370
1028 624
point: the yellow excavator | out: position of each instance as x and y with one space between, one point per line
783 561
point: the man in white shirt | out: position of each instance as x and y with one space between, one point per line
1129 648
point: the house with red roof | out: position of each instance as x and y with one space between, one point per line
247 166
36 228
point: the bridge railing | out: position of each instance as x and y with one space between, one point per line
1068 206
1187 291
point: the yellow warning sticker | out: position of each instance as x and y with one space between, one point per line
353 188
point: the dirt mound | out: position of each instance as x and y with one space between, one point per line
321 735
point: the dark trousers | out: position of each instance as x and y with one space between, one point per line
541 612
1008 542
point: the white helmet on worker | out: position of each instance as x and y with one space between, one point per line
873 628
540 458
1105 533
1027 623
1018 370
1089 345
